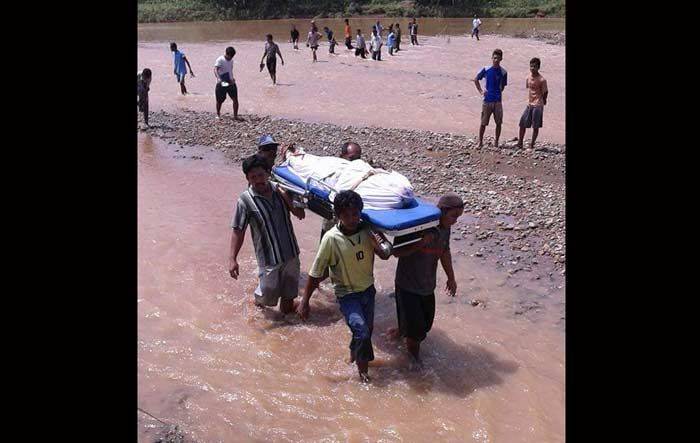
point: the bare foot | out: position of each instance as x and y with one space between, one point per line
416 364
350 359
393 333
238 119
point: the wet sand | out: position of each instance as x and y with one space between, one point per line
427 87
222 370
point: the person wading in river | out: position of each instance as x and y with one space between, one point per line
225 83
312 40
266 208
416 275
398 37
180 65
294 37
413 31
348 35
348 249
270 56
360 45
476 24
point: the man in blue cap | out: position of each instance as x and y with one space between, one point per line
267 147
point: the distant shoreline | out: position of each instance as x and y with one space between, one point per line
173 11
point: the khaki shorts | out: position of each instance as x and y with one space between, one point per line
278 281
488 108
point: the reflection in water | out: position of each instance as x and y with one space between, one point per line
223 370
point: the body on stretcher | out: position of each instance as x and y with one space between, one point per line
404 226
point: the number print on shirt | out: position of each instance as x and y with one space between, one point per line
360 255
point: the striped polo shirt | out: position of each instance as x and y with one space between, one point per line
273 234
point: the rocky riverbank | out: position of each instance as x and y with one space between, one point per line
551 37
515 213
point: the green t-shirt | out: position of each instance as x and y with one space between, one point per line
350 258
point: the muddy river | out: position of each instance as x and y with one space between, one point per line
223 371
427 87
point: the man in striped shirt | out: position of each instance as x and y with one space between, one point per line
266 207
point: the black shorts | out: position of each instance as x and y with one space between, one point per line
415 314
142 103
271 65
221 92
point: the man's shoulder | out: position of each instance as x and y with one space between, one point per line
333 235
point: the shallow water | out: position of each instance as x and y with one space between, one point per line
198 32
429 87
210 362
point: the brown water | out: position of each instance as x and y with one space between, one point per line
199 32
427 87
223 371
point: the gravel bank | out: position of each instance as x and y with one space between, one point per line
515 213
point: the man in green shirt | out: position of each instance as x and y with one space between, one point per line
348 250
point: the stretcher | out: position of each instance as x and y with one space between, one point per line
404 226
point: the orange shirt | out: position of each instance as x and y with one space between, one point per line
536 87
347 31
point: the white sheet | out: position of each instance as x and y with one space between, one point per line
383 190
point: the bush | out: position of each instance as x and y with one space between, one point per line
375 10
354 8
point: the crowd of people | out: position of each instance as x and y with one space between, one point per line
348 246
345 254
496 77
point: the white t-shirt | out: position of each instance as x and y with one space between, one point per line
376 42
224 66
476 22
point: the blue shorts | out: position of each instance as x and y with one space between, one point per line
181 77
358 310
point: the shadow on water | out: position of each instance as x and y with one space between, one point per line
450 367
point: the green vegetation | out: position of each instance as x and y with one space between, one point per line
213 10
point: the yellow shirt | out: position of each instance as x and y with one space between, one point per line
350 258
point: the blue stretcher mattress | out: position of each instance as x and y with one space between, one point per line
418 213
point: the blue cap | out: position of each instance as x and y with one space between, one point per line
266 139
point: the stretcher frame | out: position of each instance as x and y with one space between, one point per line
304 198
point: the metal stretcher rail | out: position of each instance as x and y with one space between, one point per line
324 208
